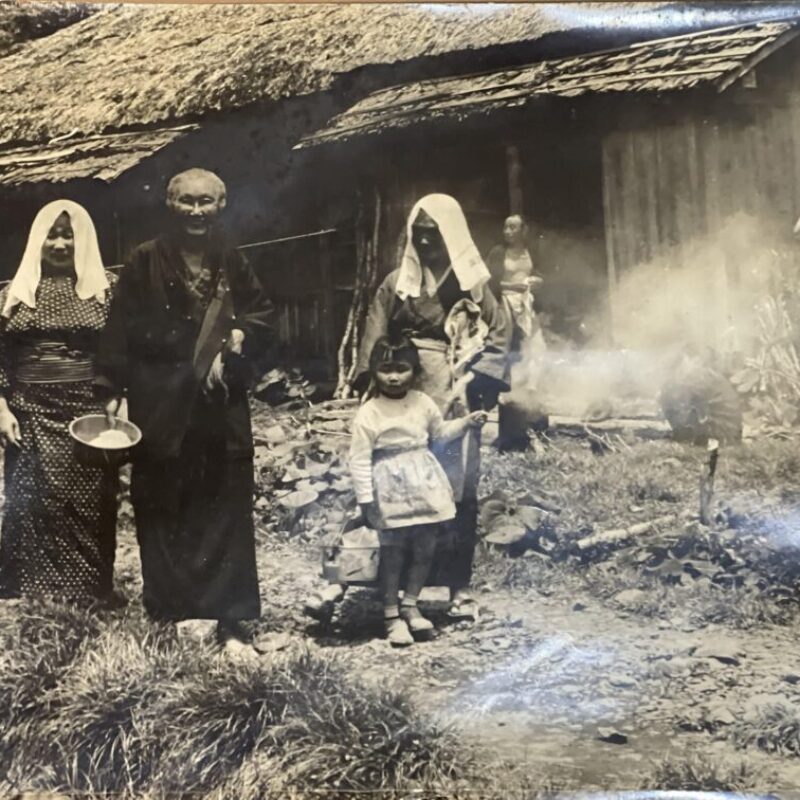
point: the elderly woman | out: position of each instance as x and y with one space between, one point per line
58 533
188 317
439 297
513 280
442 278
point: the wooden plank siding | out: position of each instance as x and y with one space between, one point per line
676 183
309 302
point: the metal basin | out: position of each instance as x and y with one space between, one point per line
84 430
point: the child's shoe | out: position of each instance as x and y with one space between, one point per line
414 619
397 632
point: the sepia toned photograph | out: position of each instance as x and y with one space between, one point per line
400 401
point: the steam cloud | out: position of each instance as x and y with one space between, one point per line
701 295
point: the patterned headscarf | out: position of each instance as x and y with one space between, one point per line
91 276
465 259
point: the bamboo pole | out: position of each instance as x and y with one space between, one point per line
342 383
621 534
366 273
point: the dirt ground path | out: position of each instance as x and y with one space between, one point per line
562 683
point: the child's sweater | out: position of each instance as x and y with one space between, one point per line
411 422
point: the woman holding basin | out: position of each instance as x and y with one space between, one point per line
58 530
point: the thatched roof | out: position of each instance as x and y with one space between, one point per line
21 22
716 58
103 157
139 65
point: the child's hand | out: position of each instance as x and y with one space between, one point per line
369 512
477 419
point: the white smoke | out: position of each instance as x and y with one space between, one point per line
700 295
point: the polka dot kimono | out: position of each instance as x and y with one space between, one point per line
59 519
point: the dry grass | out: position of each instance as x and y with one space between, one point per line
758 485
38 647
693 772
699 604
773 728
117 706
305 719
600 492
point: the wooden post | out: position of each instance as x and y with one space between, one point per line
707 483
514 168
609 222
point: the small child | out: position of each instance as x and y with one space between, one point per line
402 489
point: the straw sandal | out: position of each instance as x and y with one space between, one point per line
238 651
417 623
397 632
318 608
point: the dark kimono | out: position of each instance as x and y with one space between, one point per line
423 318
192 480
60 516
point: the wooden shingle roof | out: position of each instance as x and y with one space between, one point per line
716 57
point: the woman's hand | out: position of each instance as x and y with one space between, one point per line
112 409
534 281
9 427
477 419
216 374
219 371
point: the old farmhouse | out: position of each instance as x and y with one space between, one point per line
643 155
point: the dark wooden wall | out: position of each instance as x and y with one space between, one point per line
664 185
470 168
707 182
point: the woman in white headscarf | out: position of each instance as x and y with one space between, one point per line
439 297
58 533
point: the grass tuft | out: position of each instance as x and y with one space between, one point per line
91 733
314 727
41 640
698 773
773 728
126 708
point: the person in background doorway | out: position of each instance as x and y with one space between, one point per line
59 521
188 316
513 282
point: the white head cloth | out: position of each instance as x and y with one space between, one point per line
465 259
91 276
